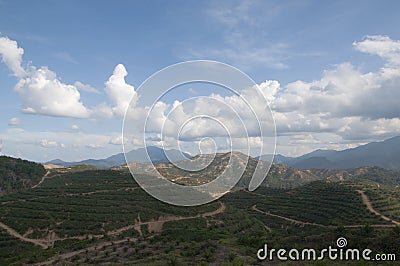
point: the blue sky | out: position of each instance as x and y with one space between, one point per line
314 49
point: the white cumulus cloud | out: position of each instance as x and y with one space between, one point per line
75 128
94 146
12 56
382 46
39 88
118 140
119 92
43 93
51 144
345 101
14 121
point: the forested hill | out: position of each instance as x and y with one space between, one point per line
17 174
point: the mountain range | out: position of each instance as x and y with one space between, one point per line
385 154
156 155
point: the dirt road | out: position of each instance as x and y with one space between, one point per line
43 178
14 233
153 226
156 225
302 223
368 203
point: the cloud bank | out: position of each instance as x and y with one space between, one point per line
345 101
345 105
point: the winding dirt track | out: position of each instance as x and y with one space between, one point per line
156 225
302 223
365 200
43 178
150 224
254 208
153 226
368 203
44 242
39 242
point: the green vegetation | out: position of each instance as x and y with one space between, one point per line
320 202
386 200
17 174
374 174
96 217
279 176
88 202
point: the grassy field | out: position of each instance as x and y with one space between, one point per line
102 217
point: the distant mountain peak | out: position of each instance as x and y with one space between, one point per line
385 154
140 155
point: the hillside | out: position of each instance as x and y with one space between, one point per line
375 174
279 176
17 174
102 217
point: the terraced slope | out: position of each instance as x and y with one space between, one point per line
321 203
102 217
385 200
